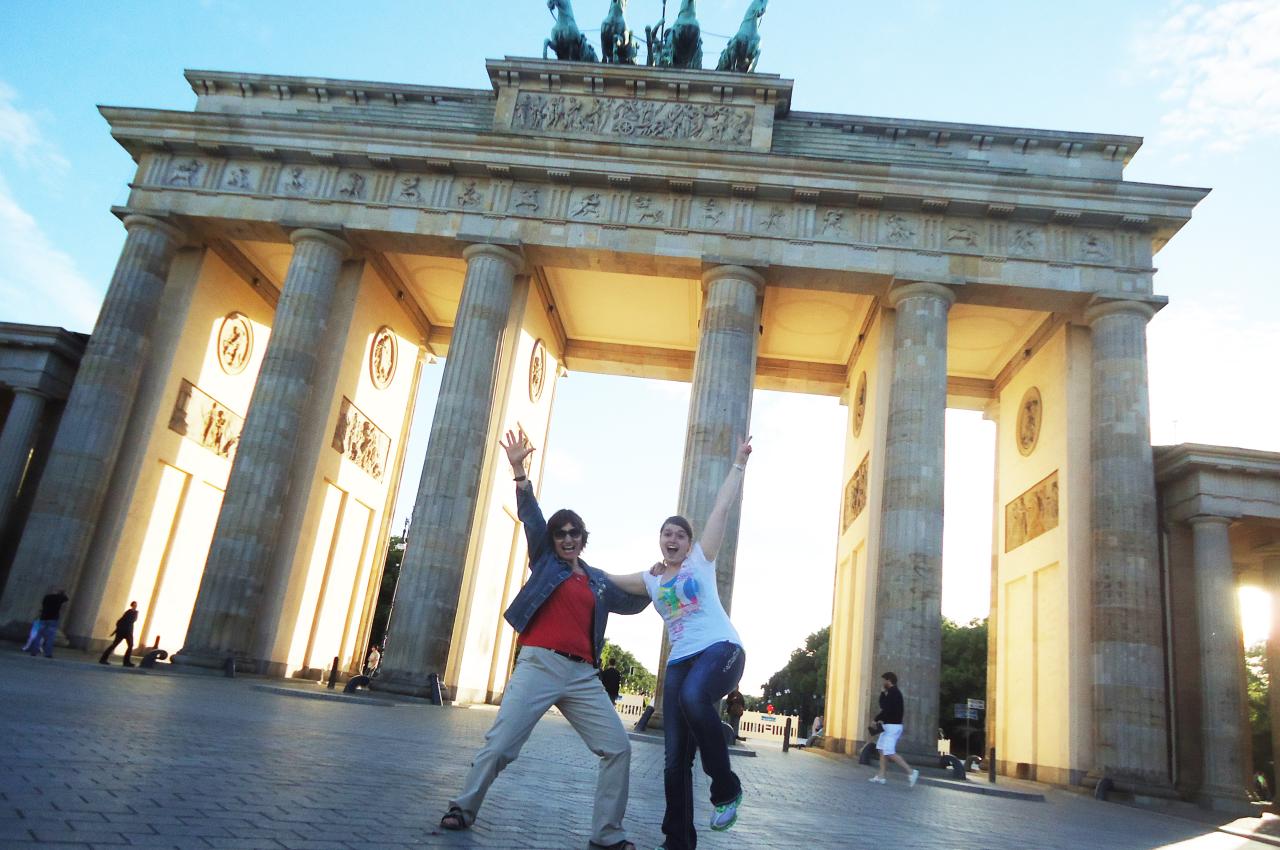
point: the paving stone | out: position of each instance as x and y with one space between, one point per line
220 764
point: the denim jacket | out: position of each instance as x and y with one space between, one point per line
548 571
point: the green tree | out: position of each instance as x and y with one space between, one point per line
387 591
801 686
964 677
1258 683
635 678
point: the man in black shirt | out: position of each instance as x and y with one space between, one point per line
50 611
890 716
123 632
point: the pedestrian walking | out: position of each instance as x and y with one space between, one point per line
735 704
560 614
892 709
123 632
611 678
50 612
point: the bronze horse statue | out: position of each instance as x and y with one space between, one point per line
743 50
618 46
566 39
677 46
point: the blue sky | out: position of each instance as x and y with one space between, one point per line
1200 81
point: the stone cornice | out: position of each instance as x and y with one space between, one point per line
980 192
276 87
1173 462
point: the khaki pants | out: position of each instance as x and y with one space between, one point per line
543 679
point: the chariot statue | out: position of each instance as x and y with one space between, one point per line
566 39
618 45
743 50
677 46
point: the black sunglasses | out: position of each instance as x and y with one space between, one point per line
561 534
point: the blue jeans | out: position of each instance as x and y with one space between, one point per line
48 631
691 721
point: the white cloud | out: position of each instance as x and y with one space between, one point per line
39 283
1221 67
20 135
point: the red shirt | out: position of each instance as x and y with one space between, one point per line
563 622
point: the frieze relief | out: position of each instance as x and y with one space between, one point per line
631 118
1031 514
360 441
855 495
743 216
205 421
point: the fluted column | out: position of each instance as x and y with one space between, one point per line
1129 700
16 440
724 372
1271 575
421 627
908 633
241 554
84 452
1224 734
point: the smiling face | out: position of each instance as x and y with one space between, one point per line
675 543
568 542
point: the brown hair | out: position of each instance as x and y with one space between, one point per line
679 522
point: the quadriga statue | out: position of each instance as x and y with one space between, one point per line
743 50
566 39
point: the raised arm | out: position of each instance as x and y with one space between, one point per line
730 490
518 448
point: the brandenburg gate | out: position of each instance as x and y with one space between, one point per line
299 249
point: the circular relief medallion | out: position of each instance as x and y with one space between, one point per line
537 371
382 357
860 404
1030 414
235 343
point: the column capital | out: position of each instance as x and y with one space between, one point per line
177 234
751 276
509 255
900 292
305 234
34 391
1209 519
1102 307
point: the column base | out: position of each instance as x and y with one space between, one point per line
213 660
409 684
1232 801
1136 787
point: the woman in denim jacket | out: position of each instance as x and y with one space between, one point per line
560 613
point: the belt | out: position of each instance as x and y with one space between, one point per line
572 657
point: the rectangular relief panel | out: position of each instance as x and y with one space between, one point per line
205 421
1031 514
360 441
855 495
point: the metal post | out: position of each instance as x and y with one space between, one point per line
333 673
786 735
991 765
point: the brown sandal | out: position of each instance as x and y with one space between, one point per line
454 820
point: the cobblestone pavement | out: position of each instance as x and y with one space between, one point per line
98 757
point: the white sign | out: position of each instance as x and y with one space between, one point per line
980 704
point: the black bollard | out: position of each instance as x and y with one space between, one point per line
991 765
229 667
333 674
786 735
433 682
149 660
643 723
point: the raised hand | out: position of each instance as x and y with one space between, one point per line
744 452
517 447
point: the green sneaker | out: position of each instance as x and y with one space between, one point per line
726 815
